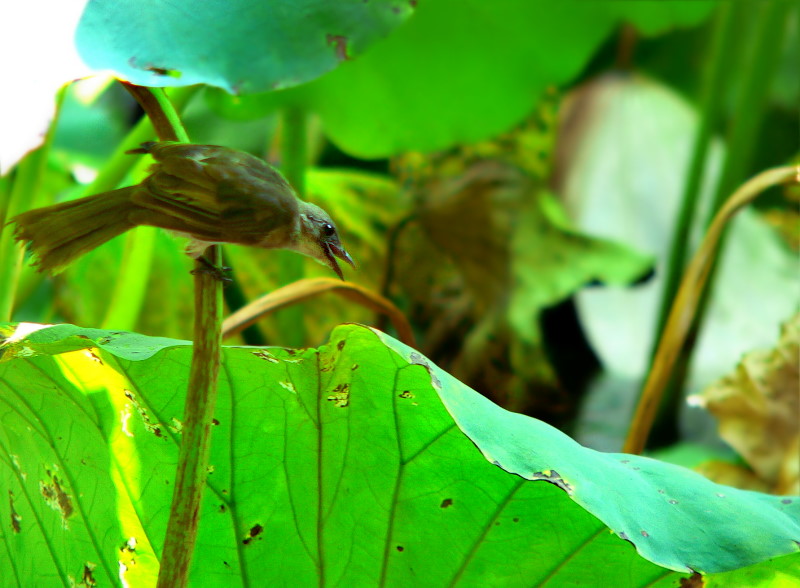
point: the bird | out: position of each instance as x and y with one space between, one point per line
208 193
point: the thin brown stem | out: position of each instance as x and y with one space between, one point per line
687 300
201 396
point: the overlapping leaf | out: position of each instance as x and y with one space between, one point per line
232 44
339 465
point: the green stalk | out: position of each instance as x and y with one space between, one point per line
294 161
770 30
767 42
724 49
201 396
130 285
693 287
764 43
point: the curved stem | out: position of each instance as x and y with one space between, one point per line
160 111
683 310
130 285
725 48
758 55
201 396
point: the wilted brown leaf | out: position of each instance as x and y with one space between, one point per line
492 248
454 264
758 408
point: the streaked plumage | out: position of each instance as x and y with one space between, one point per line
208 193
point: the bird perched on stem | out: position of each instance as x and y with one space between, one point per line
208 193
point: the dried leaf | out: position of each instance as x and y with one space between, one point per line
758 408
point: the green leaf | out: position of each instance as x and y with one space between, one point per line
654 17
237 45
88 110
459 71
782 572
653 504
337 465
551 261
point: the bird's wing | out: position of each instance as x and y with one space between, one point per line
232 194
253 197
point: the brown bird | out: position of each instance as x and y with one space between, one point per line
208 193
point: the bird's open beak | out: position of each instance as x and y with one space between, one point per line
332 250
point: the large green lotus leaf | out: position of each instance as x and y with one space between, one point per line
459 71
674 516
237 45
338 465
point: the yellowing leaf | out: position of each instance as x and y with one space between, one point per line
758 407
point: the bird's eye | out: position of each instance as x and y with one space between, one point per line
328 230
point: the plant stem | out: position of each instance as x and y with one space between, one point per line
749 108
724 49
201 399
114 172
764 43
690 293
294 161
201 396
294 148
128 298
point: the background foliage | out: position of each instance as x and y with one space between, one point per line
514 176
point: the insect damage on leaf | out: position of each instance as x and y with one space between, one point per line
88 574
255 531
265 355
418 359
15 517
339 44
56 498
160 71
693 581
155 429
553 477
340 396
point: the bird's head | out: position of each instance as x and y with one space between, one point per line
319 238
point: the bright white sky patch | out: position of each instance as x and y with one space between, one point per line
37 57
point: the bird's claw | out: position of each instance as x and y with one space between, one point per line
218 272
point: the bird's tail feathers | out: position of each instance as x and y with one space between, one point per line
60 233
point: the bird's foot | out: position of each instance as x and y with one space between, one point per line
221 273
